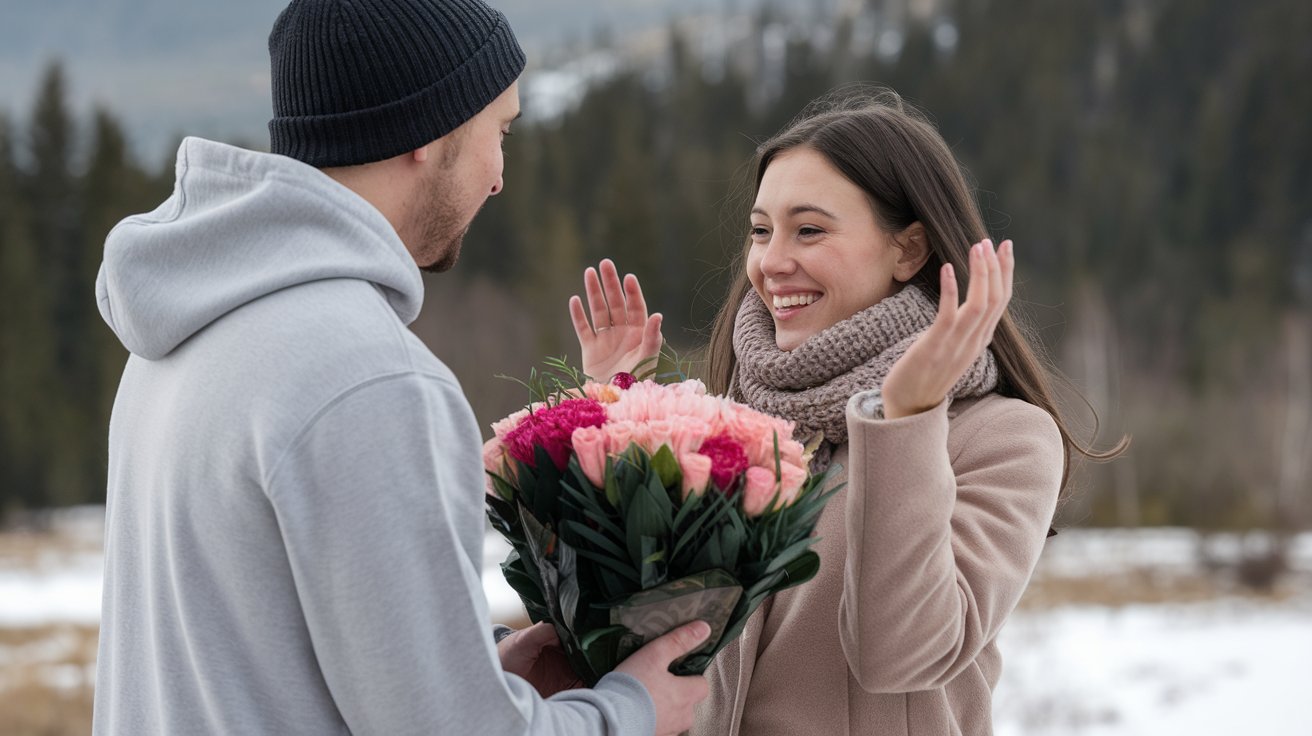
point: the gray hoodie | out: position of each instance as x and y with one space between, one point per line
295 516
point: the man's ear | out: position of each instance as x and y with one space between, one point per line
420 155
913 251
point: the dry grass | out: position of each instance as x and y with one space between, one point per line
34 549
46 683
1145 586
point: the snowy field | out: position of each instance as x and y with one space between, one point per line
1124 632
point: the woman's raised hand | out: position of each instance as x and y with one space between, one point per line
922 377
620 334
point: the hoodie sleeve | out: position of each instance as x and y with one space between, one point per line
940 548
380 504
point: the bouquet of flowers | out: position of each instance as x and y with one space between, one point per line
633 507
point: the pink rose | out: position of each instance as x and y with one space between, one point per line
696 473
794 477
619 435
662 433
762 453
494 461
791 450
691 386
590 448
758 491
503 427
756 432
689 434
642 435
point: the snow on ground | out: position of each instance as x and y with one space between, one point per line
1222 665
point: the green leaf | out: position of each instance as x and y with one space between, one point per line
623 569
667 467
649 515
595 537
686 509
653 559
716 508
594 511
731 541
504 519
800 570
789 553
612 484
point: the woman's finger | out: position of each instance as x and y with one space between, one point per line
614 291
995 280
596 300
636 305
948 303
991 279
997 297
1000 271
582 329
651 336
635 302
977 294
1007 257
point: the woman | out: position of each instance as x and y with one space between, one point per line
844 316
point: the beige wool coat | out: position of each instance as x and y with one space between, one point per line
923 556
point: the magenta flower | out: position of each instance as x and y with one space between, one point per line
552 428
728 460
623 380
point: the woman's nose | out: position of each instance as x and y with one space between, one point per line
777 258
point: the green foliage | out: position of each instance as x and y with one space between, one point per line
59 363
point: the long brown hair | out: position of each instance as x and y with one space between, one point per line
893 153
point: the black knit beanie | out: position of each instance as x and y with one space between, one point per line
357 81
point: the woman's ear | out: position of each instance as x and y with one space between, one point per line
913 246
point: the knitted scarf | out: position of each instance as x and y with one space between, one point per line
811 384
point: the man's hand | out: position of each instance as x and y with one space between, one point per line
535 655
673 696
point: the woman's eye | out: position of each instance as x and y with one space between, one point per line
808 231
760 232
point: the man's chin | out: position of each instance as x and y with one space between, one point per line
442 265
450 256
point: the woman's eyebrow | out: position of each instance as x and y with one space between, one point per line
799 209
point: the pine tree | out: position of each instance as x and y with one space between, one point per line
112 187
26 349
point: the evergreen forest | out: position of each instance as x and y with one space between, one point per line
1151 159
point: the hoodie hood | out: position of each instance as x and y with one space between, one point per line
238 226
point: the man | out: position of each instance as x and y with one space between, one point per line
294 525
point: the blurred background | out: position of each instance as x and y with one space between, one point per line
1151 159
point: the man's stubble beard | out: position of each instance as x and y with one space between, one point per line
441 229
441 226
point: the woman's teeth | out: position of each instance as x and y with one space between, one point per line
794 300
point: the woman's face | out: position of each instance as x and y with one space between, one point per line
818 256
